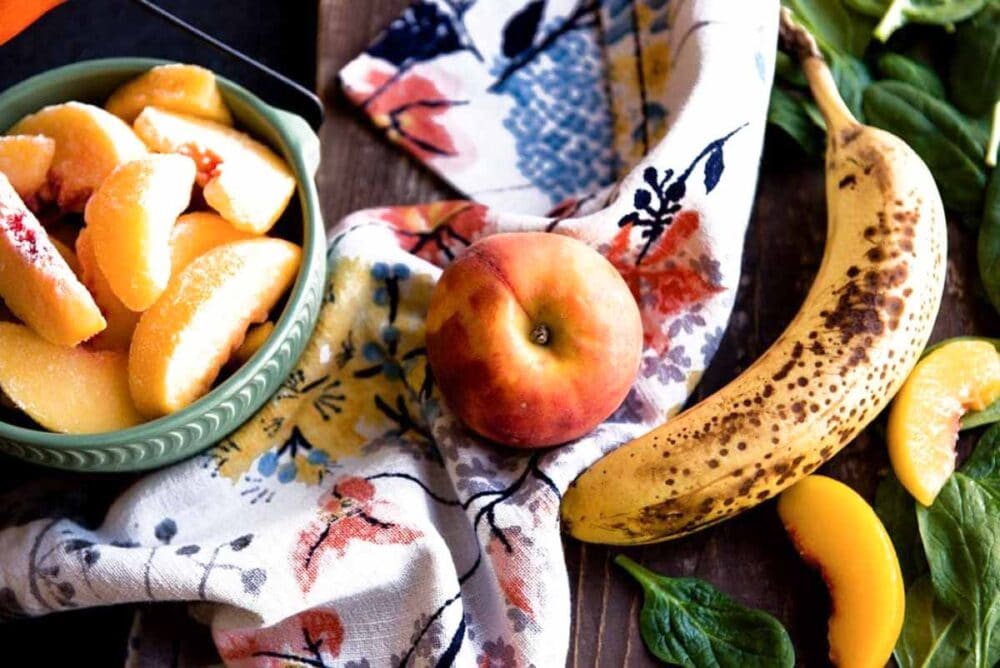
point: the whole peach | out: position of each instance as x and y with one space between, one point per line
533 338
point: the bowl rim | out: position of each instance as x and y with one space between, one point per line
289 138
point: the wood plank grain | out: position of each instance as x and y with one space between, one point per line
749 557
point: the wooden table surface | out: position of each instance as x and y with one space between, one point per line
749 557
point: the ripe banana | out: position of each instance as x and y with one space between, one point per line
861 329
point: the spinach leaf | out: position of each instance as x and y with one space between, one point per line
988 244
932 634
961 536
897 13
949 120
687 622
787 112
937 137
974 419
983 465
900 68
895 507
975 67
835 27
852 78
787 69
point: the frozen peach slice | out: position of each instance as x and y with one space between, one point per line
68 390
255 338
243 180
186 89
959 376
90 143
185 338
25 161
36 283
834 529
195 234
131 217
121 320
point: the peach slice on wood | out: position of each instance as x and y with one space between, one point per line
959 376
834 529
36 283
131 217
196 233
243 180
90 143
186 89
187 336
121 320
25 161
68 390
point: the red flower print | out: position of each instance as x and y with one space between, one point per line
309 638
409 106
437 232
347 513
659 282
510 569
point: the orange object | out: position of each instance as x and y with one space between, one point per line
121 320
183 341
534 338
36 282
16 15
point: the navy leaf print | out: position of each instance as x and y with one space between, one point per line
421 33
253 579
519 34
165 530
90 557
642 199
241 543
188 550
713 169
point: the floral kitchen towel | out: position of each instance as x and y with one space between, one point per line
353 521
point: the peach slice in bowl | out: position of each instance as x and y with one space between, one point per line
233 399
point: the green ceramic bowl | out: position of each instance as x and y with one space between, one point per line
239 396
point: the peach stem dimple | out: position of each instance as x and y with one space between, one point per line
540 334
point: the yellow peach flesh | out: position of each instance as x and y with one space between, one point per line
833 528
67 390
243 180
197 233
186 89
131 217
924 419
121 320
36 283
89 144
183 341
25 161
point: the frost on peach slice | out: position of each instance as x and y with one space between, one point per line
196 233
130 218
186 89
36 283
68 390
25 161
67 254
90 143
185 338
243 180
121 320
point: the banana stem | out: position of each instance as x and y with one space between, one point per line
824 88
